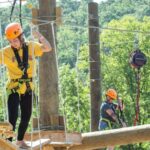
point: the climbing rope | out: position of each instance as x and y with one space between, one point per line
78 96
20 10
33 96
3 82
137 108
137 60
59 88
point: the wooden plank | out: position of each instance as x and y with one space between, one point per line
55 136
48 147
8 134
5 126
122 136
6 145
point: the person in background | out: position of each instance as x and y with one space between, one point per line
108 117
18 57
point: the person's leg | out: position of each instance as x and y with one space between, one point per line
13 103
104 126
26 110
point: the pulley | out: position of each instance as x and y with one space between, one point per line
137 59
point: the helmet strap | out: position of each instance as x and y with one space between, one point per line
21 38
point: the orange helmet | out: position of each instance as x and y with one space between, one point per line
13 30
111 93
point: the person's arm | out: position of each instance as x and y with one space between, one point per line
120 105
46 46
112 115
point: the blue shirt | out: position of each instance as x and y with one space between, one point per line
104 107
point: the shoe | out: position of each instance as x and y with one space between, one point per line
22 144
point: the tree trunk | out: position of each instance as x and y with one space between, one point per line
49 99
94 58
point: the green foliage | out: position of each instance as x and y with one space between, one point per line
74 99
116 9
116 47
117 72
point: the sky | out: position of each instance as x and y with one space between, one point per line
6 3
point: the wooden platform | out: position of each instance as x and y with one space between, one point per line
38 144
56 138
59 140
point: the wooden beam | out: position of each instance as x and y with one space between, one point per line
123 136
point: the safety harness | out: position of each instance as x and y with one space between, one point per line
107 120
23 65
120 117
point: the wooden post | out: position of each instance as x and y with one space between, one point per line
94 58
58 16
49 99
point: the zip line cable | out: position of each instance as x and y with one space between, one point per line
79 26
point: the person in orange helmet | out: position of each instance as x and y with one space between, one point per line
18 57
108 115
